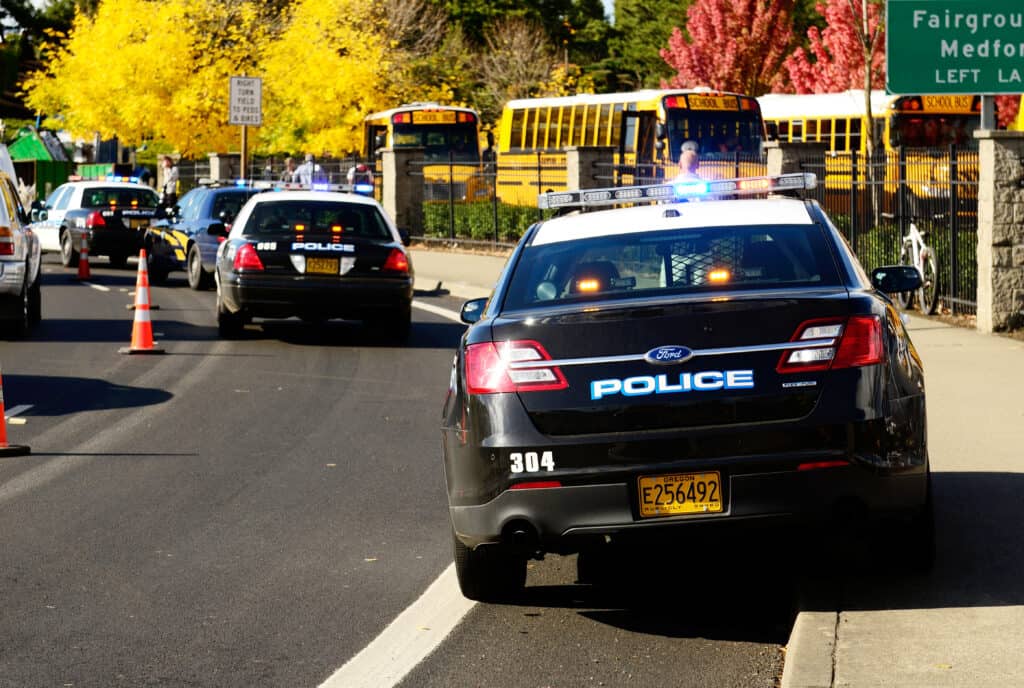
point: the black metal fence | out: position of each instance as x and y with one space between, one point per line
874 201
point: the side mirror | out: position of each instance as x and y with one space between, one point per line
38 204
34 215
405 236
217 229
379 140
660 132
473 310
893 279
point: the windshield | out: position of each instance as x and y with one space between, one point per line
438 139
334 218
717 133
226 205
680 261
935 131
125 197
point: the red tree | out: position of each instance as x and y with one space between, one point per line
1006 109
733 45
835 61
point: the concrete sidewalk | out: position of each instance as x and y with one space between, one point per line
962 625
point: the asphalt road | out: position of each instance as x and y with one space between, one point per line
255 512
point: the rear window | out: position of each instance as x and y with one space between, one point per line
672 262
102 197
317 217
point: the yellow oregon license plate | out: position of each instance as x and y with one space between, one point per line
682 493
136 223
322 266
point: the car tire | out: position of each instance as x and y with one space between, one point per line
489 574
229 325
18 326
198 279
68 254
35 302
392 327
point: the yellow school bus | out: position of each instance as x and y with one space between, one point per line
923 125
645 128
449 137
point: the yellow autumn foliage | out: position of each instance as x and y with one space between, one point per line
144 70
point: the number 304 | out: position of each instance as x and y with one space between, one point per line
532 462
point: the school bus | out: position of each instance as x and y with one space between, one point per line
449 137
924 126
645 128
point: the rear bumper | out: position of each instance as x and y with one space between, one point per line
285 297
114 242
564 518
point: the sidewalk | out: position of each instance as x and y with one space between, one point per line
962 625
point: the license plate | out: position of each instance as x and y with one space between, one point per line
322 266
681 493
137 223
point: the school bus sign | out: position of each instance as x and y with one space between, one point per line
954 46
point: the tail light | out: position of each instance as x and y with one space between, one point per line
516 366
95 219
246 258
537 485
6 241
397 261
834 344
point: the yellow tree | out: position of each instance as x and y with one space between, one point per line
328 69
142 70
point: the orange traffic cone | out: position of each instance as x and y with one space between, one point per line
142 329
83 259
8 449
143 270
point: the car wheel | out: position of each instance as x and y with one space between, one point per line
68 254
35 302
392 327
157 274
229 325
489 574
18 326
198 278
118 260
928 294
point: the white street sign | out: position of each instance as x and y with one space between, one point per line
246 104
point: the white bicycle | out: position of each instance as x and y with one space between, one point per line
922 256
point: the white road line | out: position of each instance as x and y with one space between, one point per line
408 639
437 310
97 287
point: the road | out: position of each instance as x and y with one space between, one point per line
255 512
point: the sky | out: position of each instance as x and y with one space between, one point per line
609 8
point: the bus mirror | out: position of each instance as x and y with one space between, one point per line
490 139
659 146
378 141
773 131
660 133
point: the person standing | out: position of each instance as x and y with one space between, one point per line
689 160
289 174
169 187
308 171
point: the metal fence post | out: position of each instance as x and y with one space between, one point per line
902 192
954 229
540 213
494 198
853 200
451 195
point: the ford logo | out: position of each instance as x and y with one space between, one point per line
668 355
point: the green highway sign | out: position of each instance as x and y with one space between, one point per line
954 46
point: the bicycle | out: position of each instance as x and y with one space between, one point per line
922 256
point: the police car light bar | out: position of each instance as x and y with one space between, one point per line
679 190
362 189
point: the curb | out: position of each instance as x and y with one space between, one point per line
810 651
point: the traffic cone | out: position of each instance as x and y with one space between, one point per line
138 284
8 449
84 272
142 328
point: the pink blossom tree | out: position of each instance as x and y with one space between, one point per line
732 45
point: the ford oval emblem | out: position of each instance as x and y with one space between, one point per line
668 355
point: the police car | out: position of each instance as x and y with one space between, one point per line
316 254
647 371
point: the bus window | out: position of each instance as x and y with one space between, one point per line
578 119
531 127
855 125
564 116
615 126
545 139
602 132
628 142
811 130
841 143
518 116
825 131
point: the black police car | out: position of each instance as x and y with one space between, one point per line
187 238
658 368
316 255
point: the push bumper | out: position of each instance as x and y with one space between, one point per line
283 298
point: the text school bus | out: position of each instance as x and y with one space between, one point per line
645 128
449 137
924 126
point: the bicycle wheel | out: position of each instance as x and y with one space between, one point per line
905 299
928 294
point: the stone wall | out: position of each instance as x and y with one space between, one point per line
1000 230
